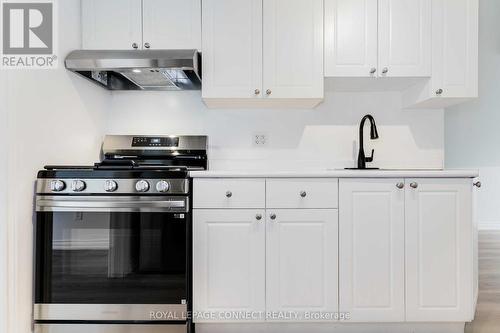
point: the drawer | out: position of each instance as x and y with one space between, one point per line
229 193
302 193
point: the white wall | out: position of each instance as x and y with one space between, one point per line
3 199
472 129
56 118
321 138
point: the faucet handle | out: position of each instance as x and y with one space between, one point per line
370 159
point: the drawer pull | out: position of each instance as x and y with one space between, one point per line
258 217
273 216
303 194
229 194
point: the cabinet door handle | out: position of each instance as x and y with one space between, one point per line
257 92
258 217
385 70
303 194
400 185
414 185
373 70
229 194
135 45
147 45
273 216
268 92
478 184
439 92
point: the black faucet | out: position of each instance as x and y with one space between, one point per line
362 159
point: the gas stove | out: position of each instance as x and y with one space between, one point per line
114 239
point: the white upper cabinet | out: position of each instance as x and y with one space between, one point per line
228 261
439 253
232 49
405 38
371 255
111 24
455 46
293 49
454 57
351 38
266 53
172 24
378 38
136 24
302 260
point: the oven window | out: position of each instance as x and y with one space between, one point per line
110 258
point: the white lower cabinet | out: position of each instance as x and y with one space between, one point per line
371 243
439 250
395 251
228 262
301 261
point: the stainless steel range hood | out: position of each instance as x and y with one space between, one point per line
139 69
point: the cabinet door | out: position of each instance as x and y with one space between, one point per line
228 261
293 49
111 24
301 260
439 254
172 24
371 243
232 48
455 48
405 38
351 38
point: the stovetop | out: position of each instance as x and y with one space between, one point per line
139 157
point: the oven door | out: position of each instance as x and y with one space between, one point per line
111 258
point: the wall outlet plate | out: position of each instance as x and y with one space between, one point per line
260 139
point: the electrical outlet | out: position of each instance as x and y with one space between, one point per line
260 139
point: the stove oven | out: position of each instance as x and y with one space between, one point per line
113 241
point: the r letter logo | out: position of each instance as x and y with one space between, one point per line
28 34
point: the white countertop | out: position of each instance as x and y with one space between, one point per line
336 173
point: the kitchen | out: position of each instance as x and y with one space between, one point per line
257 141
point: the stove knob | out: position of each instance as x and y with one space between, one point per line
57 185
110 186
78 185
162 186
142 186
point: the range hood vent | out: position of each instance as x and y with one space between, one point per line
139 69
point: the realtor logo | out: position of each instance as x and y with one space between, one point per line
28 34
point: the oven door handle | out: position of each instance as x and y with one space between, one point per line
111 204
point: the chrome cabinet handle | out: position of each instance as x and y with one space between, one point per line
385 70
268 92
400 185
303 194
229 194
273 216
135 45
257 92
258 217
439 92
478 184
373 70
147 45
414 185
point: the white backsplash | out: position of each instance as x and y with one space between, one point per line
325 137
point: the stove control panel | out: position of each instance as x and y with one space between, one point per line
141 141
113 186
